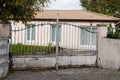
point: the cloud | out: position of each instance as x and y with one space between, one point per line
64 4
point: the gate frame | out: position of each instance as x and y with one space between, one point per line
57 42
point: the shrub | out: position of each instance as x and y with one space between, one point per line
113 34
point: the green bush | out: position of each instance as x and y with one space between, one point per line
113 34
20 49
17 49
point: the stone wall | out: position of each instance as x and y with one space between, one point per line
4 49
3 57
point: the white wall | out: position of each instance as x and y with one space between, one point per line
109 53
70 35
42 34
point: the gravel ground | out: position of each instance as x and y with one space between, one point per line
66 74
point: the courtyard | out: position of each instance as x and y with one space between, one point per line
66 74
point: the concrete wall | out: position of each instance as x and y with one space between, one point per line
109 53
49 62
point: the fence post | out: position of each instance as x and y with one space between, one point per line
97 35
57 43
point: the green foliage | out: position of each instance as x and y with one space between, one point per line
107 7
110 32
3 79
19 49
23 10
113 34
117 32
50 47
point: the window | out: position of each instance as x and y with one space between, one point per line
54 33
88 36
30 32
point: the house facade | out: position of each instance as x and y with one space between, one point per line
77 29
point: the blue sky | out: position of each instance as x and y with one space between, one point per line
64 4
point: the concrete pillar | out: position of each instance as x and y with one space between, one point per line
102 32
4 30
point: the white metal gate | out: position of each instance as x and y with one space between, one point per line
54 39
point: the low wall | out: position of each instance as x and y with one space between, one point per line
3 57
49 62
109 53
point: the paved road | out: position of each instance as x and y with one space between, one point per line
66 74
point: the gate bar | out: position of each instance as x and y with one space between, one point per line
57 43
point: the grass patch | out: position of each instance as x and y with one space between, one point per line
19 49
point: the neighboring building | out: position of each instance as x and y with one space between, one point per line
75 31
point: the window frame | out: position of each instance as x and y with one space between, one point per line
59 33
32 32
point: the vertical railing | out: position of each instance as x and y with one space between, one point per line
70 44
97 38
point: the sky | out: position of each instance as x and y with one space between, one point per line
64 4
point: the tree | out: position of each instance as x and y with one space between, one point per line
107 7
23 10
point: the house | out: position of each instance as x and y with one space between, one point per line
77 29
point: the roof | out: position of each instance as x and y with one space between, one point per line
73 15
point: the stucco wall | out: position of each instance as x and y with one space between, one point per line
109 53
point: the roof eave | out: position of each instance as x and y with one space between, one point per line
77 20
